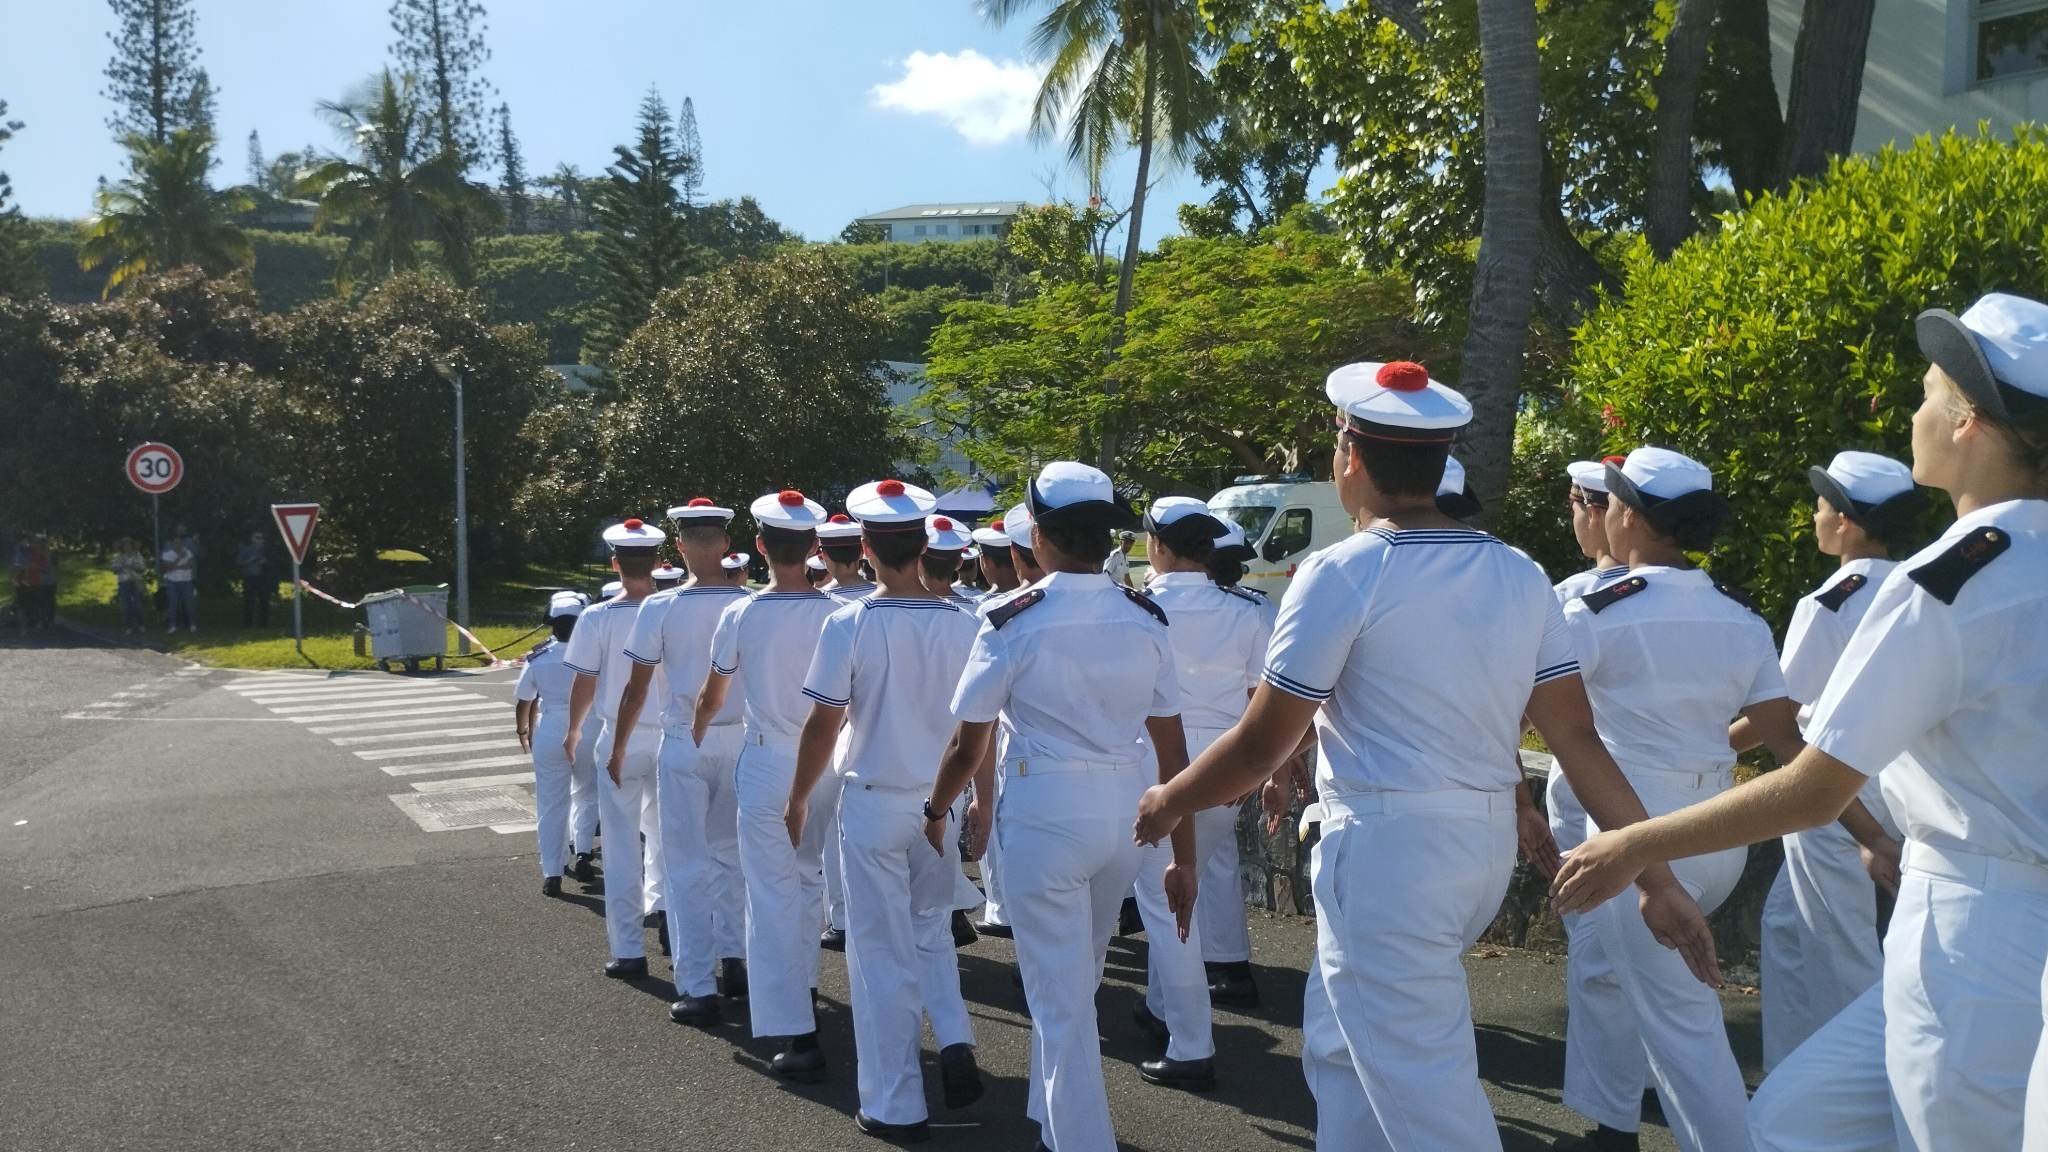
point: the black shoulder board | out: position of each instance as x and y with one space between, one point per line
1736 594
1847 586
1001 616
538 649
1245 594
1604 598
1943 577
1145 602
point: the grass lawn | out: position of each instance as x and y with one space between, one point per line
508 616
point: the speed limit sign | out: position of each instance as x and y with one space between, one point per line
155 468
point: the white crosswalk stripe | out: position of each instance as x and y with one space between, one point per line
434 728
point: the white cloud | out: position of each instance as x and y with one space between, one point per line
986 101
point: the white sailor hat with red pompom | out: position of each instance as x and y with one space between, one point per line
839 527
1396 400
634 533
698 510
885 504
788 509
945 534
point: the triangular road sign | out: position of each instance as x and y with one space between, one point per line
295 522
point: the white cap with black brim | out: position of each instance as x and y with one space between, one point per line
1017 526
1996 352
1069 492
1178 520
1454 495
1231 545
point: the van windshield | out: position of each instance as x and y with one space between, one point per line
1250 517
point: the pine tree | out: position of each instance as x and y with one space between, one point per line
201 103
442 43
692 147
515 171
18 271
151 74
643 244
259 169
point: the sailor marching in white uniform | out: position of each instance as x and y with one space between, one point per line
564 786
839 551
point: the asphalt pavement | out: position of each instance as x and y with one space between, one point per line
294 910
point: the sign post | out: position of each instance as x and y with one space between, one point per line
156 469
295 523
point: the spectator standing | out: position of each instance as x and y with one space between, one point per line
179 572
258 581
130 570
35 583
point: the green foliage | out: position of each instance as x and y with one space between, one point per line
152 75
164 214
442 43
544 280
1056 243
1228 341
757 376
1788 336
734 229
972 266
1533 516
644 245
18 273
1269 135
514 165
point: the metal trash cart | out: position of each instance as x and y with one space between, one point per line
401 629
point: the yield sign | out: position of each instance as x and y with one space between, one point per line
295 521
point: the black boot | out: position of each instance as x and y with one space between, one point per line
1128 922
702 1011
916 1133
832 939
732 978
802 1060
963 931
1231 984
960 1075
1192 1075
1601 1139
985 927
552 886
631 969
581 871
1152 1025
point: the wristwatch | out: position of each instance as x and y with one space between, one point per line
931 817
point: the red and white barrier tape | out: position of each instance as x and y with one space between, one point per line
495 662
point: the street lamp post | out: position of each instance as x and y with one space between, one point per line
454 376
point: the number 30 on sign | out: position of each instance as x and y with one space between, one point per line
155 468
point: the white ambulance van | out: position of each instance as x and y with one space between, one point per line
1284 519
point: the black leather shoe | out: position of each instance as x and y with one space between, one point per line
959 1075
1231 984
1193 1075
963 930
1128 922
657 920
666 948
916 1133
633 969
552 886
1601 1139
1152 1025
805 1065
701 1011
833 939
999 931
732 978
581 870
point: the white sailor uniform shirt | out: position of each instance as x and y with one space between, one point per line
1822 623
547 679
770 638
1219 639
1579 583
672 634
598 648
892 663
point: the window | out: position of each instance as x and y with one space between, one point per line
1291 534
917 229
1250 517
941 229
2012 39
971 229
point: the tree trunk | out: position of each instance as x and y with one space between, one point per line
1503 283
1669 209
1756 126
1568 276
1827 85
1112 422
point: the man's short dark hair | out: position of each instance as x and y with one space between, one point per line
841 552
942 564
787 545
703 536
895 549
1086 541
1401 469
1000 553
636 562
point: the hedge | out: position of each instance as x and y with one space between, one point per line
1787 335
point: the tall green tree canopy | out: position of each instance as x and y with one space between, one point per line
442 43
644 244
514 167
154 71
18 272
382 198
164 213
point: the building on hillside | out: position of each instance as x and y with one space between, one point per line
949 223
1933 65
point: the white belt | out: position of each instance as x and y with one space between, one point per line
1046 766
1986 872
1351 805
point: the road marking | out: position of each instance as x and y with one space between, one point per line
288 703
438 749
376 725
450 697
347 741
514 829
179 719
459 784
345 693
506 804
380 713
457 766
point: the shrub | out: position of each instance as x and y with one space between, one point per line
1788 335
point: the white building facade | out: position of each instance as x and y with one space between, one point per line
945 223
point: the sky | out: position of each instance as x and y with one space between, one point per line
823 110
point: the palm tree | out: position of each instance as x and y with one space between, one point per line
387 203
567 183
165 214
1117 71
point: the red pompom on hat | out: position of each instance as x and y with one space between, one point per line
889 488
700 502
942 524
997 526
790 498
732 555
840 518
1402 376
1617 461
635 524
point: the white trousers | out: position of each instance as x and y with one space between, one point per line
629 813
1605 1068
564 791
1820 944
1176 984
992 857
835 883
1219 902
785 891
1404 883
1936 1057
965 896
1068 863
2037 1087
1652 992
899 947
707 913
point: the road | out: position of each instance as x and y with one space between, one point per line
221 931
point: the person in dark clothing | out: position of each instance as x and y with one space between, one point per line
259 580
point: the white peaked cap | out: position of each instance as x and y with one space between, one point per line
1453 483
1017 526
